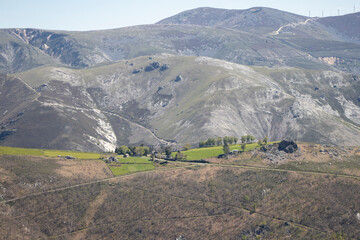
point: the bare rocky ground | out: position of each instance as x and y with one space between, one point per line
322 158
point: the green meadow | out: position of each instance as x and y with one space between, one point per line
134 160
47 153
208 152
131 164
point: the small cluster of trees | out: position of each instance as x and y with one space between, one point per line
186 147
263 141
168 151
250 139
244 140
180 156
218 141
132 150
247 139
144 151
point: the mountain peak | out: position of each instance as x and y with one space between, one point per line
254 19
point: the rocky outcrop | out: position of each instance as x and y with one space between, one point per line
279 152
152 66
287 146
178 78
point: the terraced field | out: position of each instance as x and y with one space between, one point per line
208 152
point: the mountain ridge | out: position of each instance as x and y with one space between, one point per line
184 98
246 20
176 84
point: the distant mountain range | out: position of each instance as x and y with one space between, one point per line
202 73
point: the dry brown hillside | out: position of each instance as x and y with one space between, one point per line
243 197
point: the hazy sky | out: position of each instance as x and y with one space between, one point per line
106 14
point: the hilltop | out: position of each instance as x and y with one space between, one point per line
255 20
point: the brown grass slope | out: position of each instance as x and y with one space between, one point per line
196 202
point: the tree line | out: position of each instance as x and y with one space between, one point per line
145 151
210 142
133 150
244 140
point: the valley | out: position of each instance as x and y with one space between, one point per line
129 111
248 195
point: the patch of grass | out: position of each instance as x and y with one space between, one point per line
20 151
134 160
129 168
203 153
78 155
48 153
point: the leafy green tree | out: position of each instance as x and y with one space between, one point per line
226 149
243 146
250 138
153 156
219 141
168 151
260 142
265 140
186 147
139 151
180 156
211 142
146 150
243 139
122 150
131 150
202 144
235 140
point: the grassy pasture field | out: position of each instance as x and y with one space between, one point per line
79 155
129 168
208 152
47 153
20 151
134 160
131 164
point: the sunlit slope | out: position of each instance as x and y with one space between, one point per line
159 98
